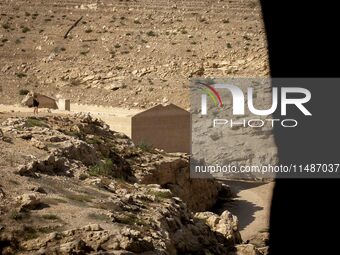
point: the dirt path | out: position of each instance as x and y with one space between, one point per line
251 206
119 119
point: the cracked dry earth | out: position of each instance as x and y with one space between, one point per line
69 185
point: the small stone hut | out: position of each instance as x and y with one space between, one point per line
164 127
44 101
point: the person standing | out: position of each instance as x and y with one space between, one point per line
35 104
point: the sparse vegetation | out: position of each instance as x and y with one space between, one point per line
14 182
88 30
15 215
99 217
145 147
72 133
79 198
151 33
54 201
29 232
84 53
6 26
83 177
20 75
35 122
161 194
202 19
94 140
50 217
264 230
25 29
23 92
125 219
104 168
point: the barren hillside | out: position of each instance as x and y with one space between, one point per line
69 185
126 53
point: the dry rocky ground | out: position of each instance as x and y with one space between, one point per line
126 53
69 185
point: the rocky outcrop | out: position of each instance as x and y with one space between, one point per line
86 142
174 173
147 219
138 201
226 225
28 201
245 249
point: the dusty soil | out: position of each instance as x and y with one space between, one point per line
251 205
61 173
119 119
126 53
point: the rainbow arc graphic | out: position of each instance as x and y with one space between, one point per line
211 92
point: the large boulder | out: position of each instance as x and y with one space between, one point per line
226 224
28 201
245 249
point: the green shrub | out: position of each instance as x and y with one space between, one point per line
104 168
94 140
50 217
151 33
25 29
54 201
79 198
5 26
99 217
20 75
23 92
161 194
34 122
17 215
145 146
83 177
29 233
72 133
